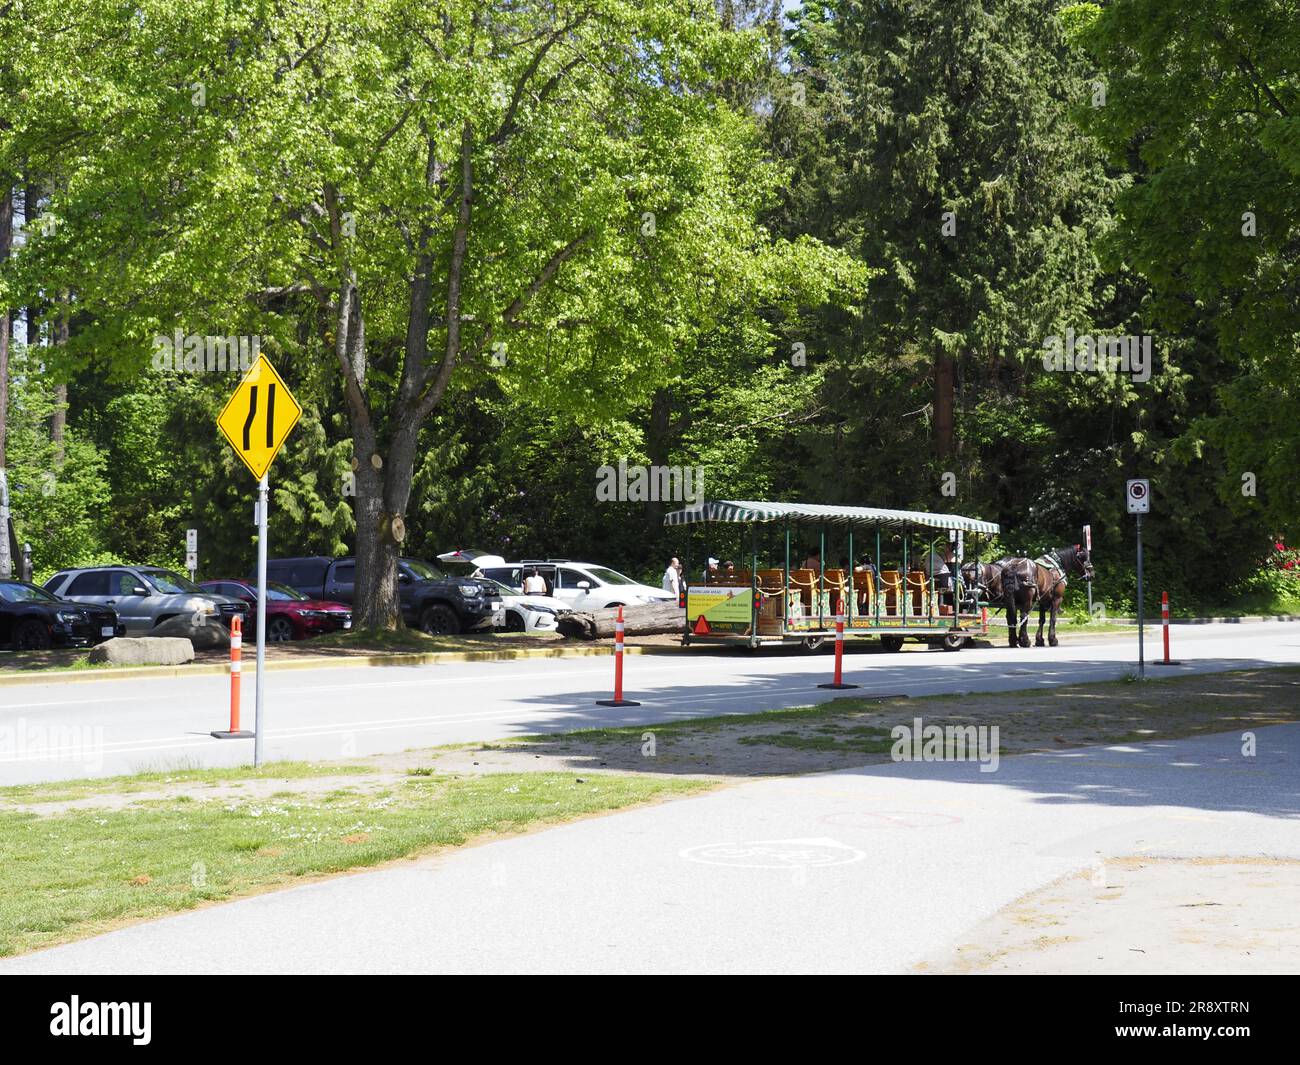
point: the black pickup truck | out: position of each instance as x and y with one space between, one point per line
431 600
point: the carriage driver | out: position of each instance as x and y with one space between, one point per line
941 571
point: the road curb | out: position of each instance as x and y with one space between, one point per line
1247 619
221 669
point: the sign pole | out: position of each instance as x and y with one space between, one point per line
6 563
1087 544
1142 669
260 711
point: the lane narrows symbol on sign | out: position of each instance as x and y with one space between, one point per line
258 416
252 413
252 416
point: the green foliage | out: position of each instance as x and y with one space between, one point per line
1201 106
737 194
59 507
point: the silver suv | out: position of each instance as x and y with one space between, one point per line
143 596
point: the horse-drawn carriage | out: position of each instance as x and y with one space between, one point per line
772 598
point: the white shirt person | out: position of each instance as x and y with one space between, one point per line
672 578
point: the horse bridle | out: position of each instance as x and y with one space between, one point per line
1085 567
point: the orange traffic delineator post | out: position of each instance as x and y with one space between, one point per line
1164 624
838 682
236 651
618 699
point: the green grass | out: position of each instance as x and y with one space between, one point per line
77 873
415 641
70 790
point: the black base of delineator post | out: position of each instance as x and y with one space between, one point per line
837 686
242 734
616 702
1173 662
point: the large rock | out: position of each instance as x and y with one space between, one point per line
206 635
144 651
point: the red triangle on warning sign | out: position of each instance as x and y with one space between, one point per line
701 627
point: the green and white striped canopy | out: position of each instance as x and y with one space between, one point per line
733 512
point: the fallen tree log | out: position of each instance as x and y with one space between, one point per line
648 619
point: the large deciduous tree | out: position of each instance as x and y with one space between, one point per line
554 196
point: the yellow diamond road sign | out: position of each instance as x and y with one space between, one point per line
259 416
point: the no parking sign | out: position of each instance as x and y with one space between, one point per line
1138 494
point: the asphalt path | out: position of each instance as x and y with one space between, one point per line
871 870
106 727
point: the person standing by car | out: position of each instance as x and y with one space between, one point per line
534 583
673 578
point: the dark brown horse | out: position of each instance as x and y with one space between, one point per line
1041 581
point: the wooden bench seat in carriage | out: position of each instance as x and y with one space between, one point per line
834 581
740 579
864 592
891 587
771 601
919 587
803 583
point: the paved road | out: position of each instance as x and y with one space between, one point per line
62 731
872 870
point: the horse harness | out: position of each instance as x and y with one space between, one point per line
1054 566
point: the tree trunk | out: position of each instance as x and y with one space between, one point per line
381 530
377 604
59 420
6 238
944 377
647 620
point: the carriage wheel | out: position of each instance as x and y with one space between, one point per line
891 643
955 641
812 643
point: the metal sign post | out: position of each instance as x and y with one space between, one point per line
1087 546
1142 668
1138 496
6 563
259 707
192 552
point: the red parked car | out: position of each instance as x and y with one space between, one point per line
290 615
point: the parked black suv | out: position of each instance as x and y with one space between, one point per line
431 600
31 619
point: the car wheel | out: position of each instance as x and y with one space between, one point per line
31 635
279 630
515 621
439 620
